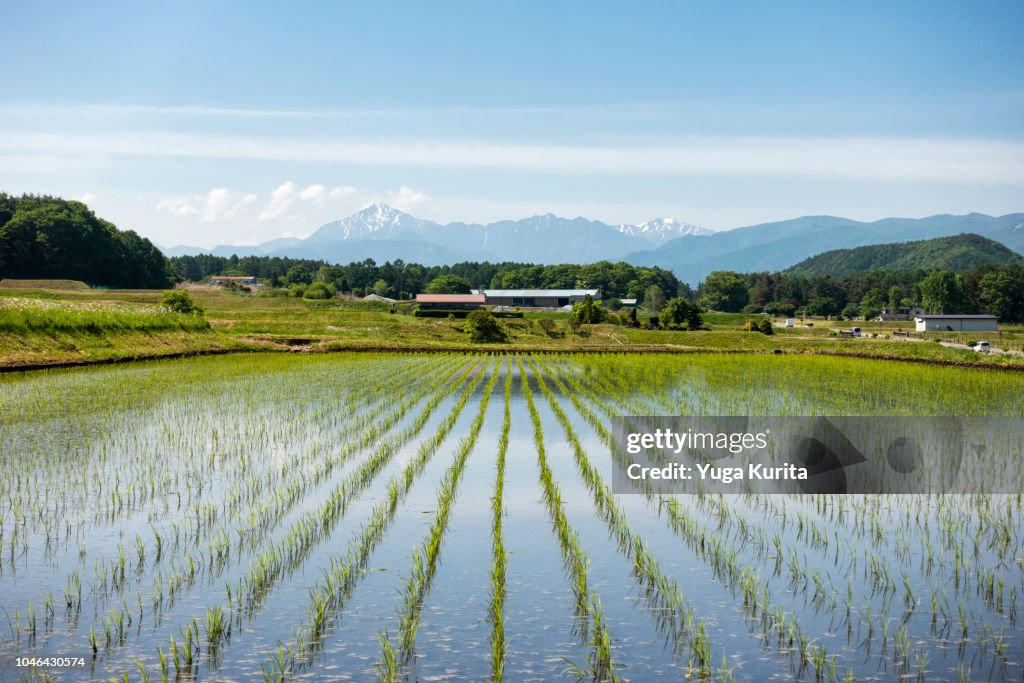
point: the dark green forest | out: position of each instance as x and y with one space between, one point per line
958 253
388 279
49 237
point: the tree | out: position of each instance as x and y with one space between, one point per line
895 298
765 326
871 304
675 312
654 299
449 284
587 312
942 292
298 275
482 328
724 290
179 301
1001 293
380 288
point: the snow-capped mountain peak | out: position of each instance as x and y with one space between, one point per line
661 230
376 221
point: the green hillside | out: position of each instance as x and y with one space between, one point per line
957 253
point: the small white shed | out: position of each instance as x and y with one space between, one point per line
956 323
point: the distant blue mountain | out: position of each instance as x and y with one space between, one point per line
383 233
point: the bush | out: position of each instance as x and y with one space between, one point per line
765 326
179 301
587 312
546 325
482 328
319 290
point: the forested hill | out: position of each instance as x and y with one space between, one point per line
957 253
49 237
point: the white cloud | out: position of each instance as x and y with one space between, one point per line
177 206
406 198
341 191
280 201
217 204
313 193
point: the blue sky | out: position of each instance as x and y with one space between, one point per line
209 123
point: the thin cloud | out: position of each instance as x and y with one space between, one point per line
974 162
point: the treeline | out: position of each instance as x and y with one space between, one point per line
48 237
398 279
998 290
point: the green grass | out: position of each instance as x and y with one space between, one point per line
52 326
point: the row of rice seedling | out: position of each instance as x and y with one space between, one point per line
425 557
590 617
188 564
328 596
661 589
250 527
500 554
288 553
705 544
810 577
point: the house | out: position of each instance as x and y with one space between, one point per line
901 313
956 323
450 302
539 298
628 303
222 280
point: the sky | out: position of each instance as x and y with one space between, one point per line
208 123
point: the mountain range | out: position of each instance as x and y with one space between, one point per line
384 234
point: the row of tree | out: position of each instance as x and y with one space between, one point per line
998 290
52 238
398 279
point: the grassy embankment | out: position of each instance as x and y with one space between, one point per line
43 326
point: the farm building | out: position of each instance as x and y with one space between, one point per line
448 302
228 279
538 298
956 323
901 313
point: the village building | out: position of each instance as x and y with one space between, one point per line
956 323
901 313
450 302
539 298
222 280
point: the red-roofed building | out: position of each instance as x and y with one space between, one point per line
450 301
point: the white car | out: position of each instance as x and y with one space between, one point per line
983 347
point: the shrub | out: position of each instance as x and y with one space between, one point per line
179 301
765 326
482 327
587 312
319 290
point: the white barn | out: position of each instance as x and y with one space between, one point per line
956 323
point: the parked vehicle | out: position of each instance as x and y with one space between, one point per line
983 347
856 332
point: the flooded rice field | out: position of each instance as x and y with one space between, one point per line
451 518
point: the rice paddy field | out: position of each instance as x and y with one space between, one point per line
334 517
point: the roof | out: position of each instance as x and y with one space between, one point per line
542 292
232 277
955 316
378 297
450 299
